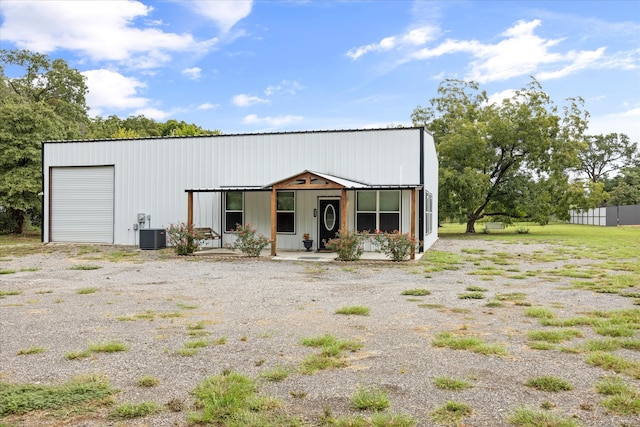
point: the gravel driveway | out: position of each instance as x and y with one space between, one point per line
258 311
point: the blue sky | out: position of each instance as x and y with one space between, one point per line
263 66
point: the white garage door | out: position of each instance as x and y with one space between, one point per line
82 204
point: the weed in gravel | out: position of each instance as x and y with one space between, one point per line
187 352
187 306
75 355
135 410
540 345
319 362
357 310
494 304
539 313
148 381
369 399
623 399
474 288
392 420
451 413
220 341
417 292
511 296
107 346
548 383
231 399
612 385
7 271
85 267
430 306
171 315
86 291
614 363
554 336
86 392
4 293
613 330
450 383
465 342
471 295
195 344
31 350
29 269
276 374
435 260
527 417
572 321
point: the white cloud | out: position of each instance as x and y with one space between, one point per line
154 113
225 13
627 122
279 121
111 90
192 73
100 30
498 97
290 87
243 100
416 37
207 106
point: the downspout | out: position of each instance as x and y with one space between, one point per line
421 218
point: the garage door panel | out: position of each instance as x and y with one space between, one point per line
82 204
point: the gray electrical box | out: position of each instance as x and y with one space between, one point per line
153 238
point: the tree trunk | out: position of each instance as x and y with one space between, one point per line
471 226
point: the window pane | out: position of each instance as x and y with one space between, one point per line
390 201
366 222
366 201
285 222
234 201
232 219
285 201
389 222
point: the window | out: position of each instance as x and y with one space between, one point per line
233 209
285 212
378 210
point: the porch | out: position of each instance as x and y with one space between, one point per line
292 255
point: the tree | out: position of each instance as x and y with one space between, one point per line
604 154
47 102
624 189
506 160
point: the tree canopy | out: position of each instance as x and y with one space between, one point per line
506 160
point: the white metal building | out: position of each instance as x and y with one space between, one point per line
284 184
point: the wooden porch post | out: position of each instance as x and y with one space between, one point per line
413 222
343 211
189 208
274 219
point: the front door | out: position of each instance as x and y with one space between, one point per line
329 221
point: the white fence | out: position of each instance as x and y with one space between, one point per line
609 216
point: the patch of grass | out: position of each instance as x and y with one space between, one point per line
471 295
614 363
417 292
220 341
187 306
465 342
276 374
511 296
86 291
552 384
476 289
623 399
319 362
4 293
7 271
430 306
614 330
494 304
135 410
171 315
187 352
231 399
527 417
612 385
451 413
449 383
148 381
87 392
357 310
369 398
554 336
75 355
392 420
541 345
85 267
195 344
31 350
539 313
434 260
29 269
107 346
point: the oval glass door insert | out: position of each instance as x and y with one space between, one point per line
329 217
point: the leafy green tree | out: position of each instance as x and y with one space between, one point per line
505 160
22 126
604 154
624 189
46 102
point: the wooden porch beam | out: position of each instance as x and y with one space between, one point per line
189 208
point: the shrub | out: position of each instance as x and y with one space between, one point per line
183 238
248 242
396 245
347 245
